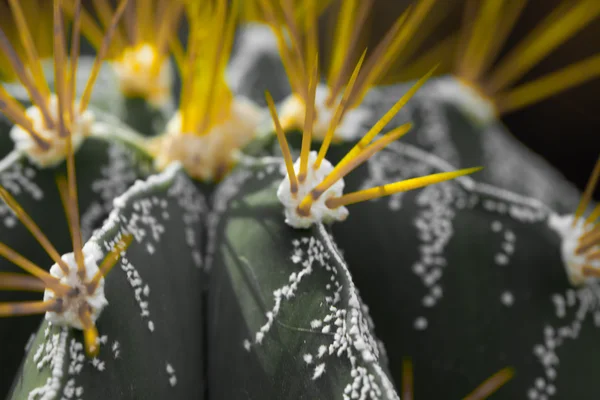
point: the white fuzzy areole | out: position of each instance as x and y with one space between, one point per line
351 126
138 76
319 212
58 145
203 155
570 235
97 300
451 90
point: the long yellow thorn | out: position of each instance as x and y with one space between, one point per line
465 36
441 53
104 11
588 240
549 85
213 66
340 171
593 256
20 282
338 79
296 44
145 18
344 30
415 19
555 30
109 262
75 47
26 265
33 228
589 270
374 131
90 333
588 192
90 29
16 113
59 71
21 72
63 190
29 46
364 79
339 113
391 188
291 68
407 379
483 32
27 308
508 18
309 119
491 385
311 26
87 93
283 144
594 215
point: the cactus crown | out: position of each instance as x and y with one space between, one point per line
42 130
312 189
139 49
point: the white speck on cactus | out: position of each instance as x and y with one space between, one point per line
574 263
71 303
80 128
319 212
507 298
351 126
580 304
207 155
319 370
139 74
172 376
421 323
51 354
348 330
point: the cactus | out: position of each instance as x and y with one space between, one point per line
286 224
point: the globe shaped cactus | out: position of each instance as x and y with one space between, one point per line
212 207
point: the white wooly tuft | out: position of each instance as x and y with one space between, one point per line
319 211
204 155
351 126
138 75
97 300
80 128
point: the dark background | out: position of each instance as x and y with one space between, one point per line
564 129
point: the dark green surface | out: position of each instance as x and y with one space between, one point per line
256 254
165 219
104 171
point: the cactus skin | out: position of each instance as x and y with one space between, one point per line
261 267
105 170
447 128
380 257
151 354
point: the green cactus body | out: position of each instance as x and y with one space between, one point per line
149 306
241 266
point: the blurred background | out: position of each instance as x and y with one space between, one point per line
564 129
